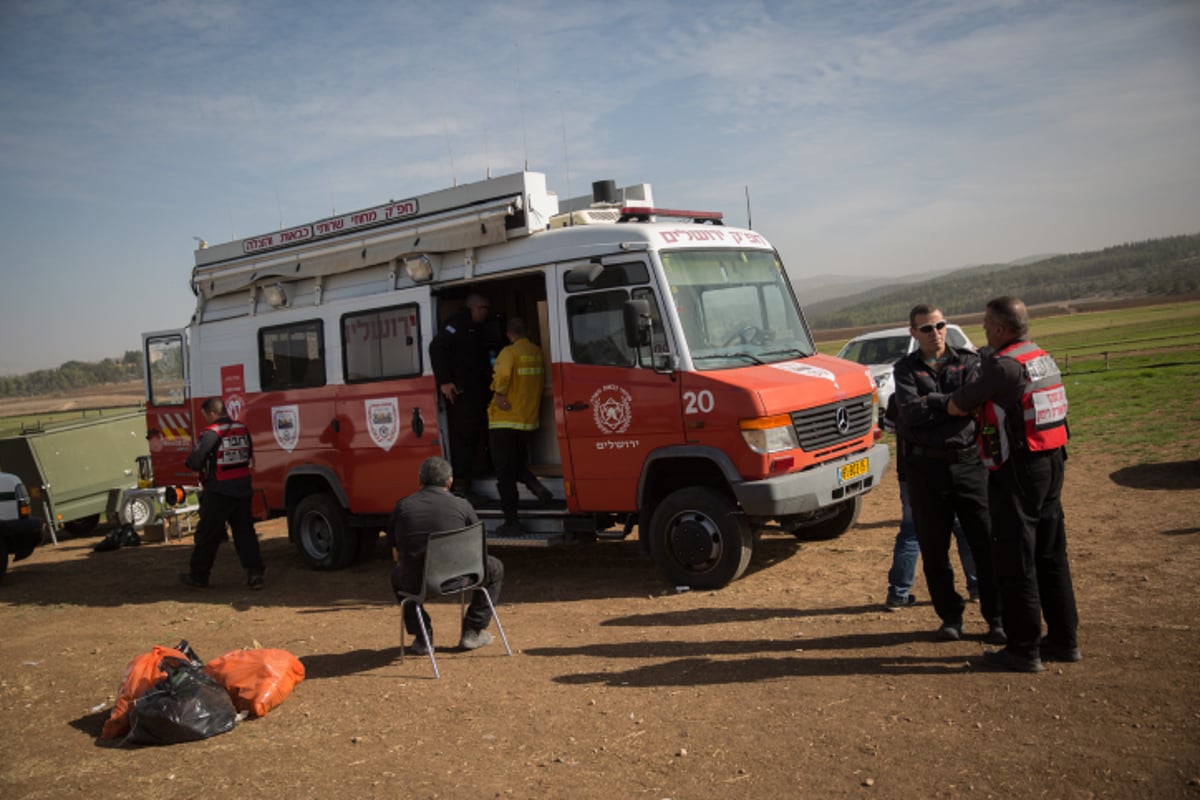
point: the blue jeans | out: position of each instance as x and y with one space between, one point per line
906 552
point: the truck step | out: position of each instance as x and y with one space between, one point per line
538 539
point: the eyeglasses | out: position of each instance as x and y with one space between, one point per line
931 327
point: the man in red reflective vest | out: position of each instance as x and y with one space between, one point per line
1022 409
222 457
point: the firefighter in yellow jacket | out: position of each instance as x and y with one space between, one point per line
513 414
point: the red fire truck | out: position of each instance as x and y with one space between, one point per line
683 393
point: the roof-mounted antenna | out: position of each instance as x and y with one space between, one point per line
450 152
521 104
749 220
566 164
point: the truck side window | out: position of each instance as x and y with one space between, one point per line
164 356
662 354
598 329
291 356
381 344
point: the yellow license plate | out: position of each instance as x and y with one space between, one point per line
855 469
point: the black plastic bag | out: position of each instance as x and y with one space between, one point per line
185 706
124 536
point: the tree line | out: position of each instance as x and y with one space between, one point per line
1157 267
73 375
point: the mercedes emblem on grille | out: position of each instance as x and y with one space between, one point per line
843 420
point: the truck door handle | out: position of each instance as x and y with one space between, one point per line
418 422
577 406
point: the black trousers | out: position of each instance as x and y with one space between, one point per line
1029 551
217 510
510 458
938 491
468 422
478 615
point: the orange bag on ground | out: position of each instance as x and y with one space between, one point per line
257 680
140 674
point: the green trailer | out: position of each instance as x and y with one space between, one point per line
72 466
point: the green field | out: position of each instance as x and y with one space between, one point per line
1132 378
16 425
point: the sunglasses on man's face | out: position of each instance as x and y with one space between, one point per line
933 326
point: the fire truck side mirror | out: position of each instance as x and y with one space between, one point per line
637 323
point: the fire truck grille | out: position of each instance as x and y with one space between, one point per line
832 424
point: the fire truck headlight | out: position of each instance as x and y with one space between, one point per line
769 434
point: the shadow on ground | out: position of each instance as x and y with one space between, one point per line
1168 476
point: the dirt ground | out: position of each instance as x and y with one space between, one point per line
791 682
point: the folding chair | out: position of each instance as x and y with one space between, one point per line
455 561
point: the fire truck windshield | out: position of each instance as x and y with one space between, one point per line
735 307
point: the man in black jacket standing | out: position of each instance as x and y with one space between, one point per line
946 476
463 371
1022 409
223 457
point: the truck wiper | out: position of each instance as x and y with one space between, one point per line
752 359
786 351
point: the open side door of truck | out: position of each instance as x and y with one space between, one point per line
170 431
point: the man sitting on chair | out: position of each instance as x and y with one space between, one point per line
431 509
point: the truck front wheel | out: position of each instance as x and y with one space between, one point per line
833 526
321 533
698 538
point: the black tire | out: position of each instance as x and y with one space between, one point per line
321 533
698 538
3 557
833 526
82 526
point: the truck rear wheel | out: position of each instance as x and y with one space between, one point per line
321 534
833 526
699 539
3 557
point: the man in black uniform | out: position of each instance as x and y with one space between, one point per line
222 457
945 474
431 509
463 371
1023 434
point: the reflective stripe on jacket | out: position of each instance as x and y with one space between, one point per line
519 375
1043 423
230 459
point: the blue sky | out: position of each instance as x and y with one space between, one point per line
876 138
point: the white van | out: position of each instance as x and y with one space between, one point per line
20 532
880 350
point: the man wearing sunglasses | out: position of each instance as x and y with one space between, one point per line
946 476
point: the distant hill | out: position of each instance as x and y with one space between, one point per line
836 290
1157 267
